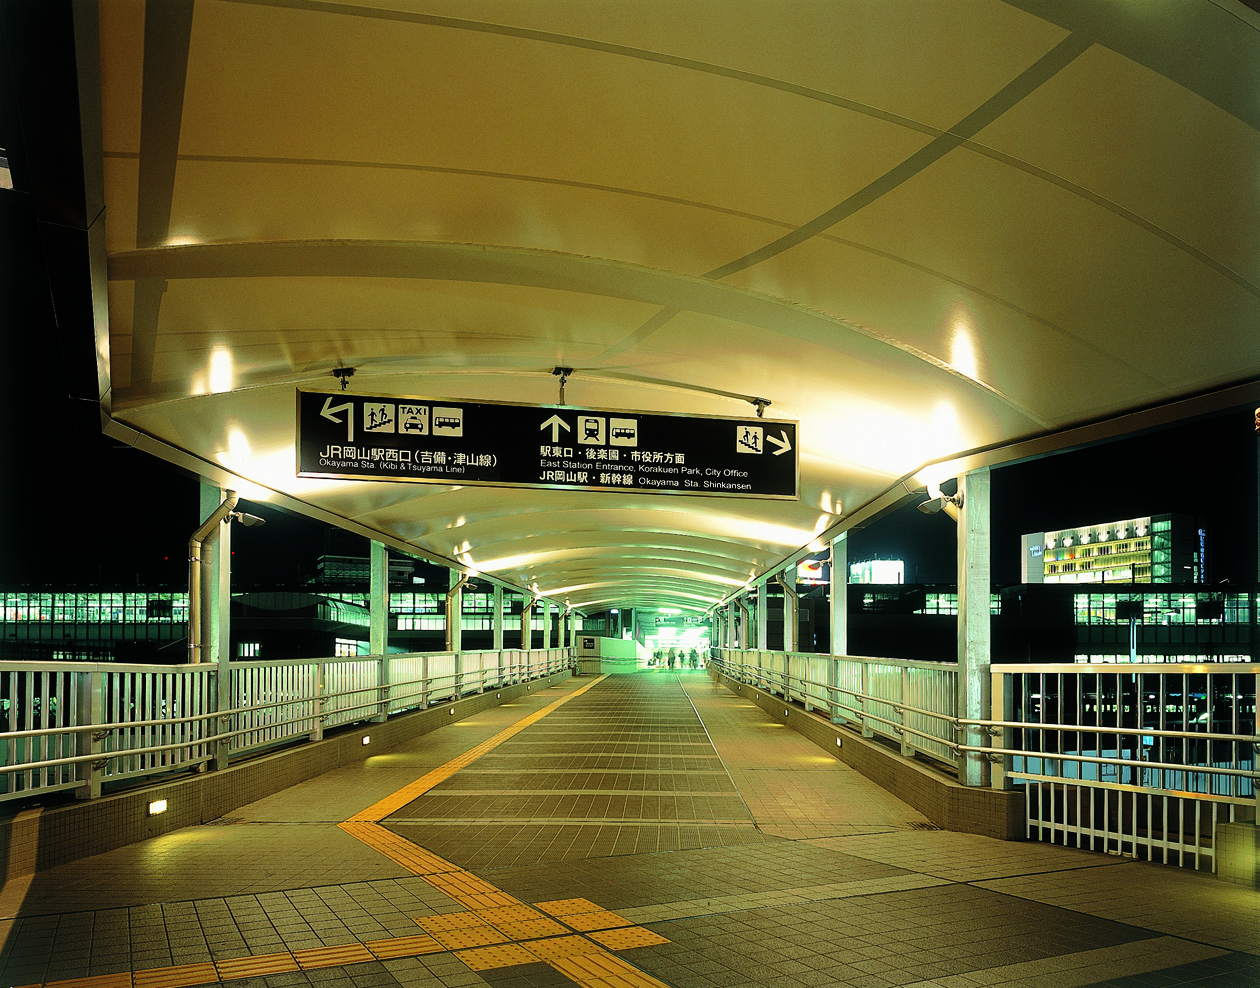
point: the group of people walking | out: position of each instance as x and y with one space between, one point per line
676 657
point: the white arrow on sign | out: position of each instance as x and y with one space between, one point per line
784 444
556 423
328 412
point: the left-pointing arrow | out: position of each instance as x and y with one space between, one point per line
784 444
329 412
556 423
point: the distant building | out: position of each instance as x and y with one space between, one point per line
1154 549
878 571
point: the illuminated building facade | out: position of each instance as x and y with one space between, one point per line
1165 548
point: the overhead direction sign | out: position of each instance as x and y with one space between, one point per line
447 441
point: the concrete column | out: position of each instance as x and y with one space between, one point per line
763 614
974 639
378 601
497 612
839 593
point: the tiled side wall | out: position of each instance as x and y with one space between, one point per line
41 838
1238 853
964 809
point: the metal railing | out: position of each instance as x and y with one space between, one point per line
1141 760
77 725
911 703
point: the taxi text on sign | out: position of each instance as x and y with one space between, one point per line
448 441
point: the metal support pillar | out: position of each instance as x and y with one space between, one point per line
455 612
215 586
378 602
546 608
839 592
763 614
789 609
497 611
378 621
974 636
745 616
527 614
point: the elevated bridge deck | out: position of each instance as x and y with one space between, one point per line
640 830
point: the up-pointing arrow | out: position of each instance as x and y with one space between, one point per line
328 412
556 423
784 444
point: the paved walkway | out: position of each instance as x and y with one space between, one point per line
628 832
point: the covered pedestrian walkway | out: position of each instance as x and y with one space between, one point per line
647 829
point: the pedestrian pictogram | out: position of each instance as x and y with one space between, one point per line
378 417
748 439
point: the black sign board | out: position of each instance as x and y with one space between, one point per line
448 441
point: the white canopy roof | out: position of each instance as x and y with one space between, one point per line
918 229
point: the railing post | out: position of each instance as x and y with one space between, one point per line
907 743
425 686
317 732
221 746
833 688
91 706
864 702
1001 691
457 664
383 670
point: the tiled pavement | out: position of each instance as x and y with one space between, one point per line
650 830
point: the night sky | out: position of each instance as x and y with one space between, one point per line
1206 470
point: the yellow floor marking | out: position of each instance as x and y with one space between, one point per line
597 919
558 948
122 980
530 929
450 921
567 907
249 967
467 934
627 938
488 958
394 802
404 947
176 977
605 971
337 956
470 936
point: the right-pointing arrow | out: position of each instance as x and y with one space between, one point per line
784 444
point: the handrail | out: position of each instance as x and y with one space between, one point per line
317 708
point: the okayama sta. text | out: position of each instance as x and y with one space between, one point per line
360 457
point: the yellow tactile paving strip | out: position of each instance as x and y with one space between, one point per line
394 802
496 930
